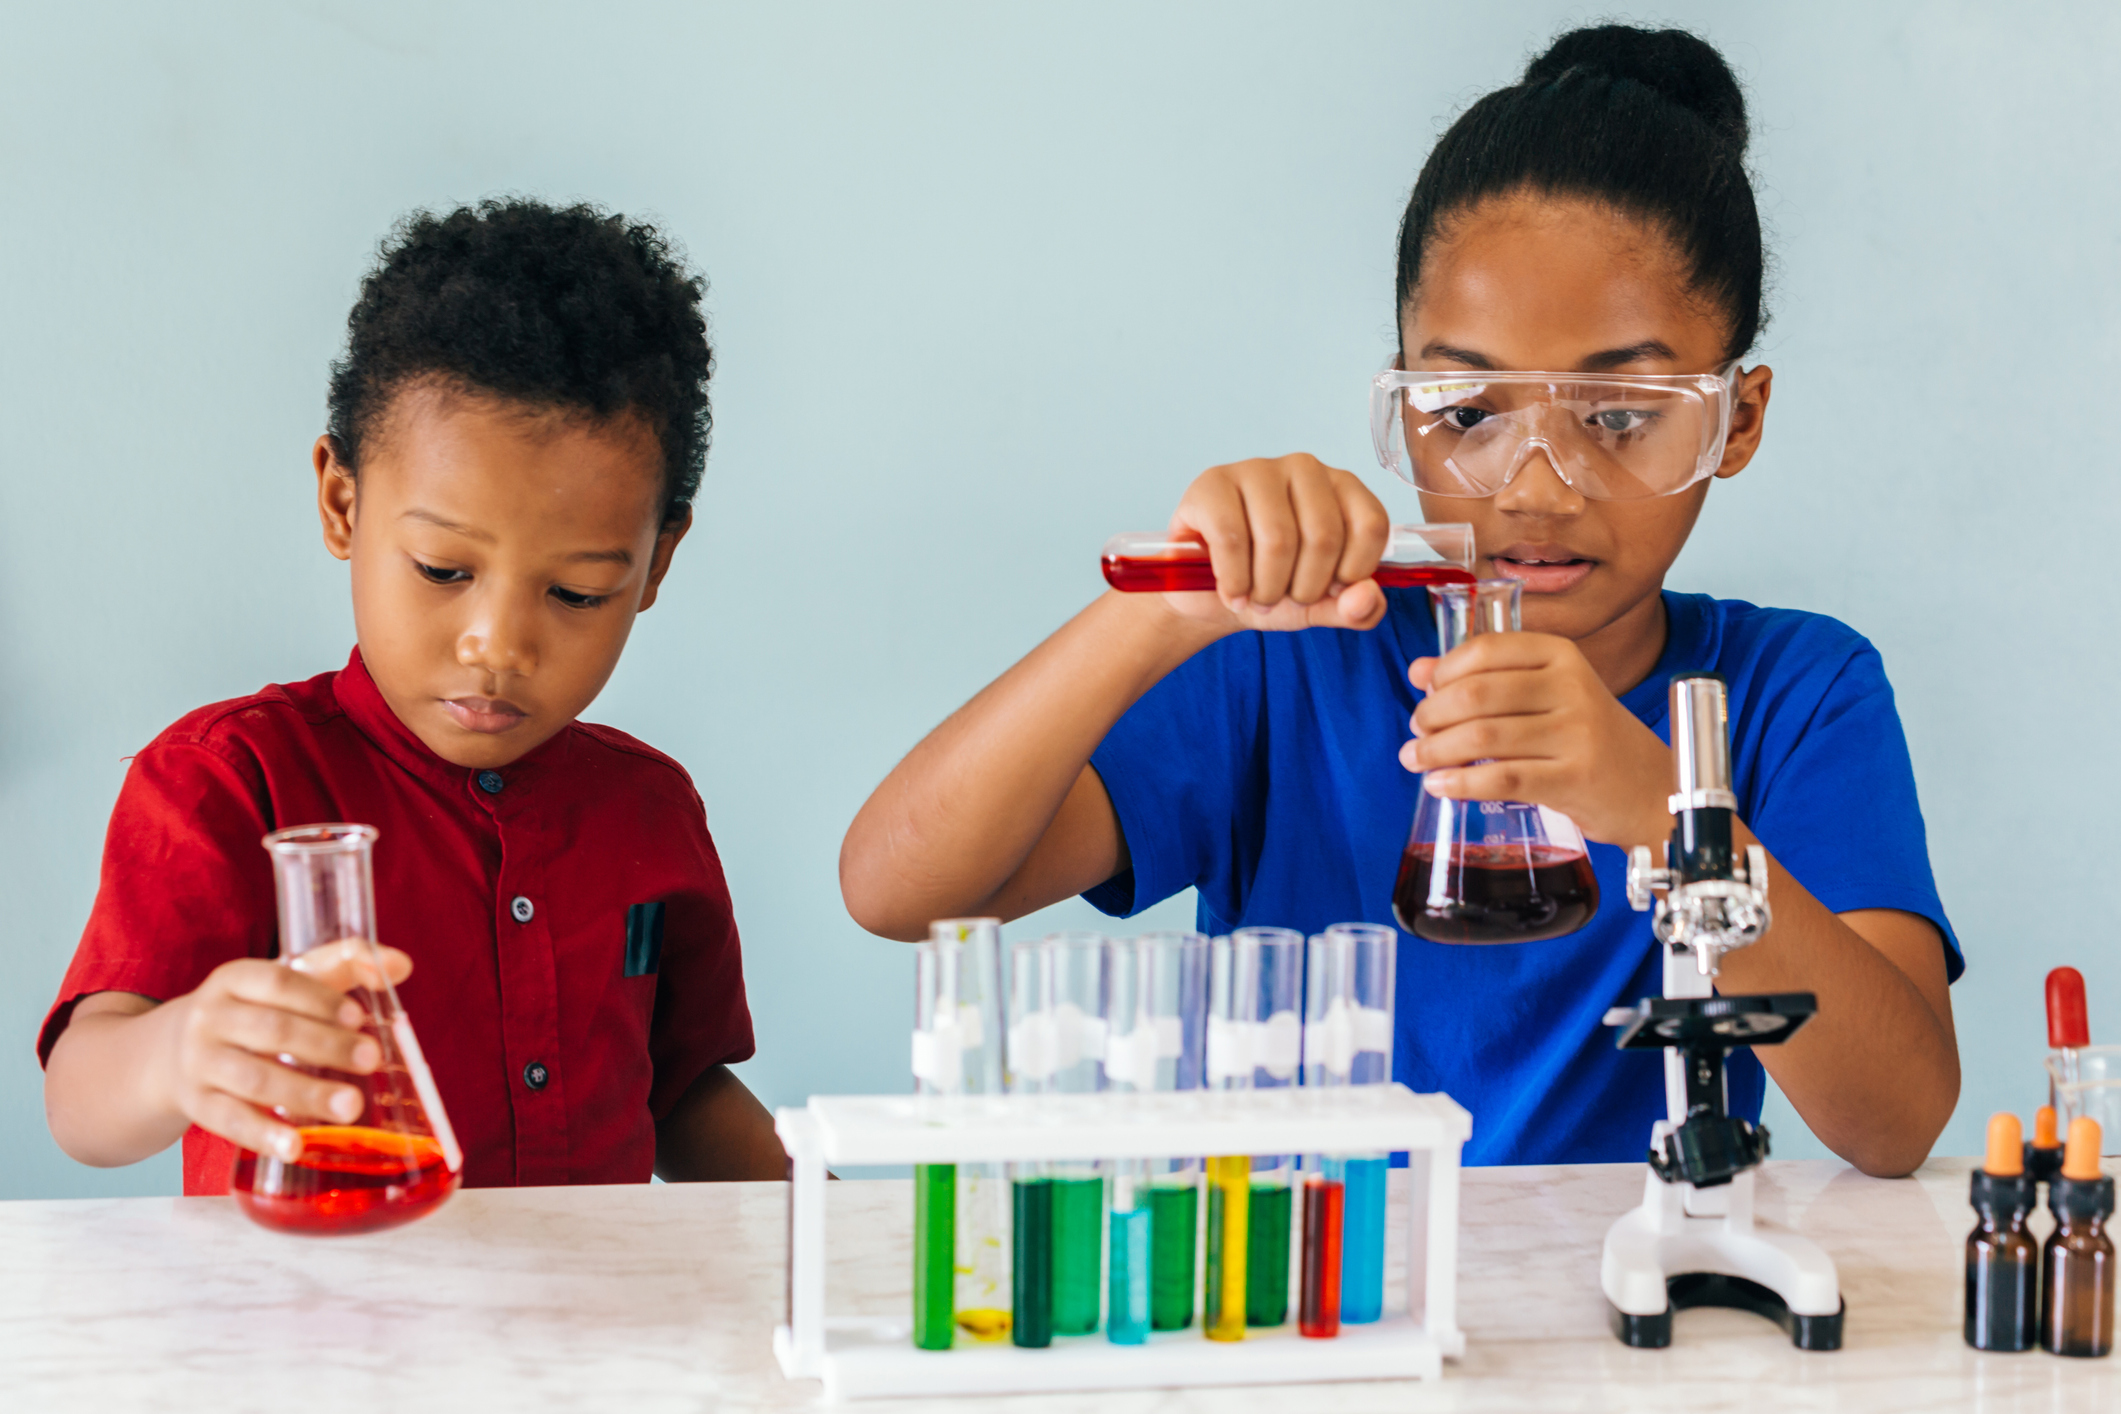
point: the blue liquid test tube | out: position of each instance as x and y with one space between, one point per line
1348 1041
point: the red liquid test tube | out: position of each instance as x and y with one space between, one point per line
1417 556
1318 1310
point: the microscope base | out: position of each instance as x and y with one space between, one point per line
1688 1246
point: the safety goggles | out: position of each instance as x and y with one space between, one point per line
1611 437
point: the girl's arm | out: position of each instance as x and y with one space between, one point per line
1523 716
998 811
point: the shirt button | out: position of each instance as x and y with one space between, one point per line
521 909
491 782
535 1075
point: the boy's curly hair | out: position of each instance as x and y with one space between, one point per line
565 308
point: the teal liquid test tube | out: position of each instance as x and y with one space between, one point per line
1348 1021
960 1275
1156 1032
1058 994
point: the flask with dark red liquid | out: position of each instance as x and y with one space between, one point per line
398 1159
1490 871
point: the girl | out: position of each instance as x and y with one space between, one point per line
1594 219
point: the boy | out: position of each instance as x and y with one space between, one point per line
516 435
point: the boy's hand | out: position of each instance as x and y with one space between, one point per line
1293 541
227 1068
1531 710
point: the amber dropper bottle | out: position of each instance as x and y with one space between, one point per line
2043 1152
2002 1259
2077 1278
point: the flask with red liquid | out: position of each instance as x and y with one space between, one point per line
1490 871
397 1160
1148 561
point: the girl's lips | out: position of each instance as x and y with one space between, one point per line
1550 577
481 714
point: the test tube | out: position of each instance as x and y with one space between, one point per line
1158 1012
1348 1007
1254 1042
1058 996
960 1213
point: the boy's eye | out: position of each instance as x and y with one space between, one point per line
437 575
577 601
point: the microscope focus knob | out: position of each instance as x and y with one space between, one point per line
1643 877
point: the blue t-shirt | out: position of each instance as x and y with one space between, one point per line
1264 773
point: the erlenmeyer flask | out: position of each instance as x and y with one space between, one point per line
1490 871
398 1159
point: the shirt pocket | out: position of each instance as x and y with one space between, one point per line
644 939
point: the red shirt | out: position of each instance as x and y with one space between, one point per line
510 889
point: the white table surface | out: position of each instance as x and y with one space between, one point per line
648 1299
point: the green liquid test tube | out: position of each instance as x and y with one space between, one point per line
1078 1254
1174 1217
1031 1273
1267 1257
934 1255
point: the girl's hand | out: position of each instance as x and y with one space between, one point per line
1293 542
1545 730
227 1065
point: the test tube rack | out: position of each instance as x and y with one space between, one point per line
869 1357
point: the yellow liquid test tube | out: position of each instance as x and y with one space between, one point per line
1229 1211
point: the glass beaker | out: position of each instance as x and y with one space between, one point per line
1255 1042
1490 871
1348 1007
1157 1016
398 1159
1058 996
2086 1081
960 1211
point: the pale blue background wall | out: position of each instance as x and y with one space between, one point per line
990 283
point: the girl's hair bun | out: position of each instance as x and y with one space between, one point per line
1677 66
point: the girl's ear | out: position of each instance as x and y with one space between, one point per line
335 497
1748 419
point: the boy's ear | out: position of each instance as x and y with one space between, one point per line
1748 419
335 498
666 545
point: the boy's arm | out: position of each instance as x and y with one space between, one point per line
997 811
718 1132
129 1074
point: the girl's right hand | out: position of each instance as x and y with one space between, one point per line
1293 542
228 1064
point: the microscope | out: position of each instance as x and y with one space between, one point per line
1694 1240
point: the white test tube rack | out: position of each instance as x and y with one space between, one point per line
872 1357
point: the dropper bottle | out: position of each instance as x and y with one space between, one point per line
2077 1276
2043 1152
2002 1259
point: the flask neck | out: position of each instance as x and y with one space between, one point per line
1466 610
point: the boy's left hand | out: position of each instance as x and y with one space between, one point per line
1545 730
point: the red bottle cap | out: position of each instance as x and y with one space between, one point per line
2066 1026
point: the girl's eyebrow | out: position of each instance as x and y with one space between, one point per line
1633 353
1595 363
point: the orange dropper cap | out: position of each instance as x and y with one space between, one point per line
2044 1136
2006 1148
2066 1026
2081 1160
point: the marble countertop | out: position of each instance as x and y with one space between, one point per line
647 1299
